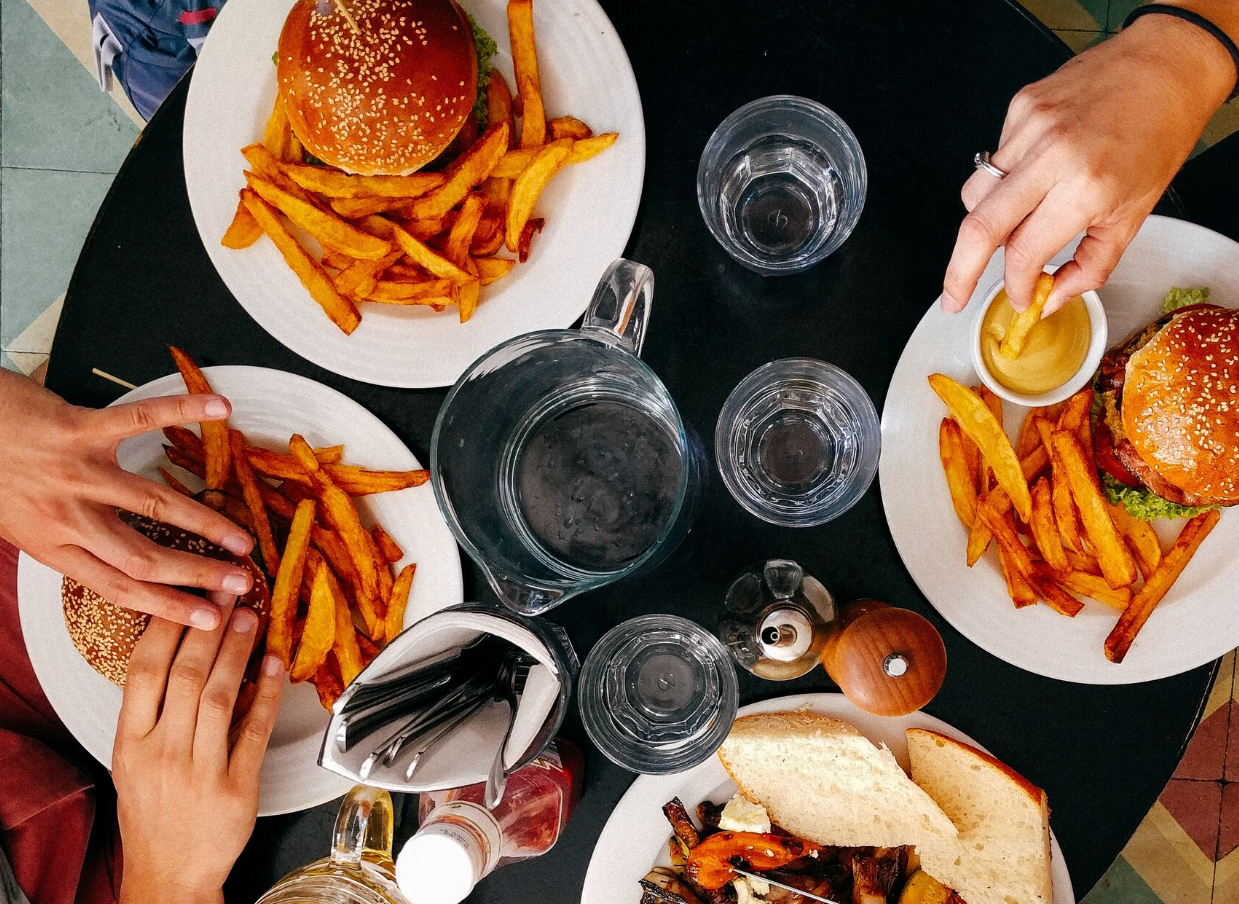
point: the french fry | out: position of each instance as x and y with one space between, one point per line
514 162
493 269
979 424
347 652
1056 597
386 545
342 312
354 480
467 299
1012 345
1082 561
1140 537
529 185
253 501
275 133
217 455
992 402
319 635
243 231
335 184
1157 584
287 586
416 251
1066 515
1044 529
525 65
1029 438
343 261
461 236
357 208
426 229
1075 413
431 292
569 127
394 621
589 148
328 683
525 242
360 277
1117 564
488 238
499 101
469 169
267 165
960 482
329 229
1021 591
1003 528
1092 586
175 484
343 517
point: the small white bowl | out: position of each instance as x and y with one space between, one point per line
1096 348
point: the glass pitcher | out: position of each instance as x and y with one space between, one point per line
559 459
360 868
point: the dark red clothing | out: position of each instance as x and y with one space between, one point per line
57 804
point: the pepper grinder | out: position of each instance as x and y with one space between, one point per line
780 622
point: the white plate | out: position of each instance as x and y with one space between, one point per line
590 208
1199 619
635 837
268 406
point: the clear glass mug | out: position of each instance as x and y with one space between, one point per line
559 459
359 869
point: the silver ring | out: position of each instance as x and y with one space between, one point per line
982 162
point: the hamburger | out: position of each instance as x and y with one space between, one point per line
1166 411
381 87
105 633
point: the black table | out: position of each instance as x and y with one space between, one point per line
924 86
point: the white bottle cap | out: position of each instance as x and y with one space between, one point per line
439 865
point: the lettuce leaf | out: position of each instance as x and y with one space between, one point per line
1144 504
1180 298
486 48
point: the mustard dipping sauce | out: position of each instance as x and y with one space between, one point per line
1055 349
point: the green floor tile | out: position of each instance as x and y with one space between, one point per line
1121 885
7 363
1079 15
1079 41
1120 10
54 115
46 216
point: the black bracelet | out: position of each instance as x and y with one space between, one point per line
1199 21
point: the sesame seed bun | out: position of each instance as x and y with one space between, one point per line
386 98
105 633
1180 404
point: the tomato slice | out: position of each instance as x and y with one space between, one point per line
1107 460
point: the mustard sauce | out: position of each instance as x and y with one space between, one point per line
1053 353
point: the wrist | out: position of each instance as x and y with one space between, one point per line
1192 59
138 889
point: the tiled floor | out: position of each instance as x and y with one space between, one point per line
61 142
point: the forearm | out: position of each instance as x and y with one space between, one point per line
135 889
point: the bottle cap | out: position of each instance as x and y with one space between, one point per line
439 865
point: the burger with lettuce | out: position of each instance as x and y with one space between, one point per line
1166 411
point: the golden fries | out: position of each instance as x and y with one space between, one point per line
335 184
499 101
979 424
253 501
1012 345
345 647
394 621
470 169
342 311
1117 564
461 236
288 583
319 634
569 127
416 251
243 231
525 64
529 185
217 454
329 229
493 269
386 545
1044 529
1156 586
960 481
1140 537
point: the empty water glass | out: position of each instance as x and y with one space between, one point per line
781 183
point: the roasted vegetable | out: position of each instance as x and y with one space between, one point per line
710 862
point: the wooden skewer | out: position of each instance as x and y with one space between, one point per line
107 376
348 17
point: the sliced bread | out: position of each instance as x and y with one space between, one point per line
1002 852
824 781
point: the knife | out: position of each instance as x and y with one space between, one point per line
777 884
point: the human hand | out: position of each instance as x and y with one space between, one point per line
61 486
186 797
1090 148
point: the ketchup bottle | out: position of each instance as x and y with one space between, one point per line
459 841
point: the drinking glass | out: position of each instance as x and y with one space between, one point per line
559 459
797 442
658 694
781 183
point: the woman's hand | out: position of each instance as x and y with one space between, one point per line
1090 148
187 798
60 488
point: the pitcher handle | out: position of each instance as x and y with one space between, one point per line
364 827
620 309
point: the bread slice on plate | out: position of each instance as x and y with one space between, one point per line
1002 852
824 781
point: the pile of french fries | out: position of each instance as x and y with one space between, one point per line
335 602
1044 489
428 238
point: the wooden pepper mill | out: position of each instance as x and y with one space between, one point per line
781 622
886 660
